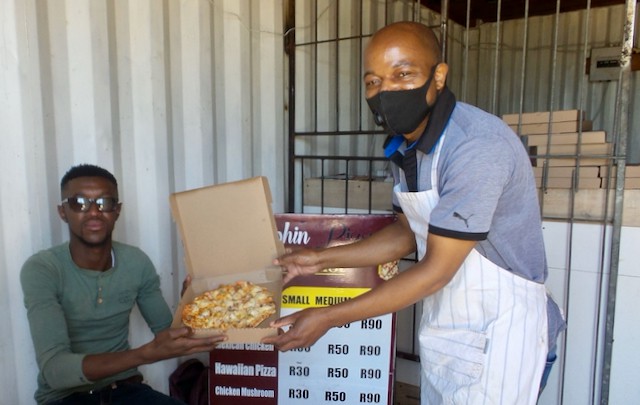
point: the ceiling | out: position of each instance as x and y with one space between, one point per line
486 10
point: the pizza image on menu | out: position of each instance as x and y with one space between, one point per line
229 306
388 270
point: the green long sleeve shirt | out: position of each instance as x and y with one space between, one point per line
73 312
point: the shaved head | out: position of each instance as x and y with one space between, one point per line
413 34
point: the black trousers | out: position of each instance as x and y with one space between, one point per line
120 393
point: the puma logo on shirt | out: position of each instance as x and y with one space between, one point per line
466 220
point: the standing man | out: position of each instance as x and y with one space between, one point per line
466 201
79 296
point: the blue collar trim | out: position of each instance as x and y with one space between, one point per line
392 145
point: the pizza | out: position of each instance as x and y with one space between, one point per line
388 270
238 305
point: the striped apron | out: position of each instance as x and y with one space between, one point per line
483 337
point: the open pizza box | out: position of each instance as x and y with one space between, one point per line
229 234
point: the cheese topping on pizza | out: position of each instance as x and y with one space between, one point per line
238 305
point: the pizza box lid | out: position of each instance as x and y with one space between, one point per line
227 228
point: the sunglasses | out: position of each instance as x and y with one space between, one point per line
83 204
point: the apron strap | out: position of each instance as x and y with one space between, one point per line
410 168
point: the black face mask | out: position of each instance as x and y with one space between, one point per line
401 111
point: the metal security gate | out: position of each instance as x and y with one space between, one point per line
509 58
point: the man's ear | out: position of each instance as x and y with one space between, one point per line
440 75
62 214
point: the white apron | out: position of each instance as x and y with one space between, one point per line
483 337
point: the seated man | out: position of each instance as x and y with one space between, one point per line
79 296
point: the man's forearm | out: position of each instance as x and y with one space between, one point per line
167 344
426 277
98 366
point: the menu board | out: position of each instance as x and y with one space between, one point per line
351 364
243 374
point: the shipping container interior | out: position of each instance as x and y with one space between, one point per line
510 58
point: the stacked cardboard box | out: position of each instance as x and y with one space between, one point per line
555 141
363 194
565 150
564 177
608 175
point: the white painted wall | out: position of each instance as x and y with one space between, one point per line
578 258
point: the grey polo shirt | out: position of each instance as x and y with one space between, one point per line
487 192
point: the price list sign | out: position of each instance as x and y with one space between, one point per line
352 364
243 374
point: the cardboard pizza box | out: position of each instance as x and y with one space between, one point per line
229 234
542 117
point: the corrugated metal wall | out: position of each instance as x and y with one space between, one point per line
169 95
554 70
554 67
